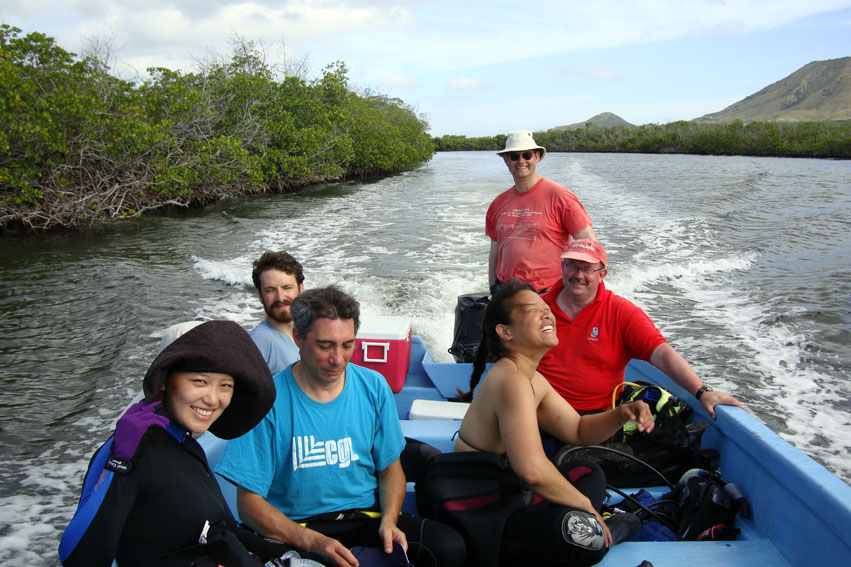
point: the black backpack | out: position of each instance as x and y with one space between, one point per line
701 506
707 506
672 448
469 315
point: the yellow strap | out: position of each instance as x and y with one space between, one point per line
618 387
367 513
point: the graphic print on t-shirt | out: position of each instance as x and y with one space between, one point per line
307 452
522 224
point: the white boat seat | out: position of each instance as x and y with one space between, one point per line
436 409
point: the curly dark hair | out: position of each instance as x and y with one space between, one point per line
276 261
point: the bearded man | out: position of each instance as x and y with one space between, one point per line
279 279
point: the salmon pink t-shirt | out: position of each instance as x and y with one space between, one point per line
532 229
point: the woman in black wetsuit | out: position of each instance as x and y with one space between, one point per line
563 524
149 497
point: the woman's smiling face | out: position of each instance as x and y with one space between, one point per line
197 399
532 319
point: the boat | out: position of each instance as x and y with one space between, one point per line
800 513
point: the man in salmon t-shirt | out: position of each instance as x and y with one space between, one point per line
600 332
532 222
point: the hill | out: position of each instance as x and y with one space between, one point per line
604 120
817 92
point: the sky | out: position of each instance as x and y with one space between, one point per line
477 68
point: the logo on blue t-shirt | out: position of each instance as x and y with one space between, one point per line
307 452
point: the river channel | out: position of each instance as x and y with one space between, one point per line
743 263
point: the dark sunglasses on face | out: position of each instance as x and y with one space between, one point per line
514 156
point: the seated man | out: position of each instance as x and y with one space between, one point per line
600 332
322 471
279 279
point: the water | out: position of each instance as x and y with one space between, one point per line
743 263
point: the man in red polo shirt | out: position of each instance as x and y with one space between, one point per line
600 332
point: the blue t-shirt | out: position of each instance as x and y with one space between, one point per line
278 349
307 458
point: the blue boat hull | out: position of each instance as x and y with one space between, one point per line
800 512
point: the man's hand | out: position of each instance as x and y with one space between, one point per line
315 541
132 427
711 398
640 413
389 533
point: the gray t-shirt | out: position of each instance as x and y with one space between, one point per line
278 350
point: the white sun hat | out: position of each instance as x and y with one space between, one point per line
520 141
175 331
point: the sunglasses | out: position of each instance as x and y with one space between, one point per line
514 156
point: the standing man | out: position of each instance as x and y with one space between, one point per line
533 221
279 279
322 471
600 332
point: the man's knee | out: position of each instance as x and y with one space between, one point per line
436 544
583 530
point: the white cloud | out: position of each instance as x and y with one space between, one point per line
597 74
466 83
398 82
443 50
383 38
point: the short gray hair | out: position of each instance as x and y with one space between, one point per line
330 302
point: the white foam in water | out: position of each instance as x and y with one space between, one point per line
629 280
682 253
233 273
432 314
353 257
651 244
671 250
28 521
774 352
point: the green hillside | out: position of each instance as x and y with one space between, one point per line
603 120
817 92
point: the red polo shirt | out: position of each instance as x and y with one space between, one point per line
594 349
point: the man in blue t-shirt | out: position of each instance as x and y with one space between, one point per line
279 279
322 471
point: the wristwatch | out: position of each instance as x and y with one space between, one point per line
701 390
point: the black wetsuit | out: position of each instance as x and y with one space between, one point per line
546 533
151 515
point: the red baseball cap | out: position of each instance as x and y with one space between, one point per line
587 250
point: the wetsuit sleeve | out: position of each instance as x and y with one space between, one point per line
91 538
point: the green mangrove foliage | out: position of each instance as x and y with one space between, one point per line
783 139
79 147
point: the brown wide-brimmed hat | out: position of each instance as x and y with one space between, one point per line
225 347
